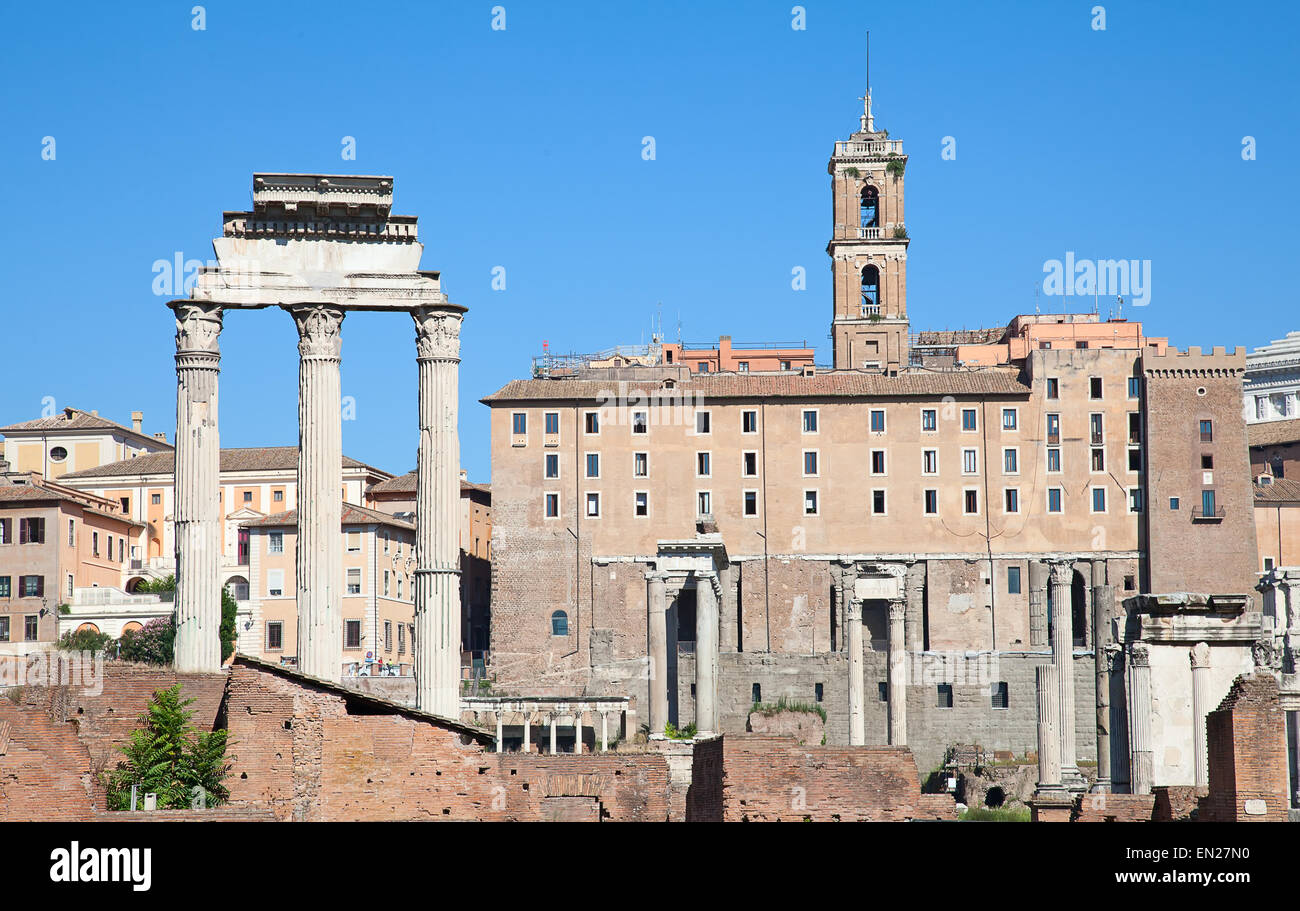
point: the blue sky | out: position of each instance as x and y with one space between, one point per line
522 148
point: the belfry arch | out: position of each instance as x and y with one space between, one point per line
319 247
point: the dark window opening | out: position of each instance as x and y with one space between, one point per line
756 693
944 696
1001 695
870 291
819 692
870 207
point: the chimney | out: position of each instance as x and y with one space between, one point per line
137 421
160 435
94 412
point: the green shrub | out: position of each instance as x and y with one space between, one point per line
785 705
85 640
995 814
152 644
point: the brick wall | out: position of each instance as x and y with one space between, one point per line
1246 741
44 767
1112 808
773 779
1175 803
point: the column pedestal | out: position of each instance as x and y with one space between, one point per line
198 480
857 716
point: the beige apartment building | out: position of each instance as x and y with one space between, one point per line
54 543
73 440
936 487
378 608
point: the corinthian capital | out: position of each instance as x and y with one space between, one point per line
437 332
1062 574
198 326
319 328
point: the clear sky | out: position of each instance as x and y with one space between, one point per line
522 148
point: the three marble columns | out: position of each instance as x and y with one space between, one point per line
319 573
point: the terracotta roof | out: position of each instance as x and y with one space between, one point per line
35 493
71 419
839 383
1281 490
266 458
352 515
1273 433
406 483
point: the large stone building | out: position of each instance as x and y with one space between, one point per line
1272 385
74 440
701 542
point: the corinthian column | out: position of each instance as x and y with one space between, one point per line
1063 657
706 653
198 481
857 707
437 512
1200 658
897 674
657 645
320 501
1142 769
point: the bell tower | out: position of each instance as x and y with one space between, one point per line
868 249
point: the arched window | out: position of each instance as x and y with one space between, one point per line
870 210
559 623
870 291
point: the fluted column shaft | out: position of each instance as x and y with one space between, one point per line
897 674
706 653
657 642
198 482
320 502
857 701
437 514
1200 658
1048 688
1063 657
1139 715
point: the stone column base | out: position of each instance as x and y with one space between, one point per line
1050 806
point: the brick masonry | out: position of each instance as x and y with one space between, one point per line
1246 743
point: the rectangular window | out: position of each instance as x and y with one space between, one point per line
72 533
1135 458
1010 418
275 542
742 366
1207 462
810 421
877 420
1053 499
749 422
1095 429
1135 499
401 638
704 503
1011 500
1098 459
969 421
970 461
551 423
1000 696
810 502
641 503
929 420
1013 580
32 531
155 499
1207 502
31 630
1135 427
94 543
640 464
1011 461
275 635
593 464
6 587
591 423
1134 387
1053 429
552 505
640 422
352 634
1053 388
703 465
399 589
4 629
878 502
929 461
354 581
354 542
878 461
1054 460
278 496
749 464
248 496
552 463
1173 502
1099 499
1259 407
704 366
519 423
388 635
943 697
703 422
275 583
931 502
970 502
593 505
810 463
1207 431
1094 387
388 586
751 502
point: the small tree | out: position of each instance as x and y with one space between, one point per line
168 757
85 640
229 608
152 644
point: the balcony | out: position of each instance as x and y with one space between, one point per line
870 147
872 233
870 310
1200 514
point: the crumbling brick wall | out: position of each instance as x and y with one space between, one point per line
1113 808
1246 740
44 767
773 779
